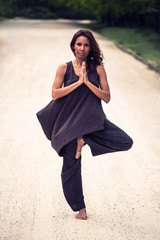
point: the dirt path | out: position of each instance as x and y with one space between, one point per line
122 190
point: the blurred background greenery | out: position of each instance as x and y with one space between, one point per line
132 23
132 13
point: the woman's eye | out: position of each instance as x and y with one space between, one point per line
80 44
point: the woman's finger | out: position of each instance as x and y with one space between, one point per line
84 67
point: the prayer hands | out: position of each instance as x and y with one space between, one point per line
83 77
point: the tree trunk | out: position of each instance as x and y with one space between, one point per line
157 22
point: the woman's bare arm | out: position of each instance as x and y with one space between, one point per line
104 92
57 90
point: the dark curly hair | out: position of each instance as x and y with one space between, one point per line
95 56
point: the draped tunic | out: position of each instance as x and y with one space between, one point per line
78 113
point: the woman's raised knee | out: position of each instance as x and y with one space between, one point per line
129 143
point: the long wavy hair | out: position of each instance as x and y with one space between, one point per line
95 56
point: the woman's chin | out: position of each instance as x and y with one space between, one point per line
84 57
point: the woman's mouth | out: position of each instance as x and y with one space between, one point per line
82 53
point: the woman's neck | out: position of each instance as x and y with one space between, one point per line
78 61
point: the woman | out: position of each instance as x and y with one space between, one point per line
78 89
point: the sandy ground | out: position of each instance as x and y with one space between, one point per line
122 190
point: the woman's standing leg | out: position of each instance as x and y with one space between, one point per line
72 181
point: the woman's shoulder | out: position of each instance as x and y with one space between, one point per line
100 69
62 66
65 69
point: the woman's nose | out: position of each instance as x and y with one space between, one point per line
82 48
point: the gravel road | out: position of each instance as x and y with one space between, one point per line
122 190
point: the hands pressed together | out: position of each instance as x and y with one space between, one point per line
83 77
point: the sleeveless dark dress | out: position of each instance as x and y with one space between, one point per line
77 114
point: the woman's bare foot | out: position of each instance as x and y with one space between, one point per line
82 215
80 143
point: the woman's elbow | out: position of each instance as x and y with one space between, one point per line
107 98
54 95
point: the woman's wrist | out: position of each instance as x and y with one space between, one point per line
80 81
86 81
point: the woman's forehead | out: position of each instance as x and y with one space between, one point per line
82 39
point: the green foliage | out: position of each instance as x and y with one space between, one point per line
118 8
130 13
121 13
92 7
5 9
29 8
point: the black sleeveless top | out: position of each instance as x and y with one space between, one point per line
77 114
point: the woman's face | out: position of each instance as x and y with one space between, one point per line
82 47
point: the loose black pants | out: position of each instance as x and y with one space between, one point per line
111 139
